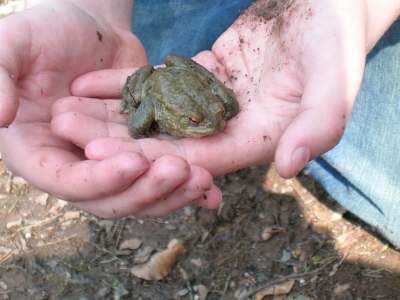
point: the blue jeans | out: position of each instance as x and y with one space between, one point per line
182 26
362 172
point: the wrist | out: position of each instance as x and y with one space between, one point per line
381 15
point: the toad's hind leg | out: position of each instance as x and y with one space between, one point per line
141 120
132 92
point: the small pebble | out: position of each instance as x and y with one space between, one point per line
19 181
286 255
103 292
170 227
3 285
42 199
120 292
72 214
27 233
106 224
197 262
181 293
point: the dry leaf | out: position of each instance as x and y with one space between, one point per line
341 288
14 225
131 244
143 255
161 263
269 232
277 289
203 292
320 226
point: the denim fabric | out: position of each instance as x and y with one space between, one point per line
182 26
363 171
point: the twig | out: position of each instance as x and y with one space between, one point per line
285 278
106 251
6 256
228 258
56 242
9 182
111 234
13 206
120 232
336 266
226 285
44 222
185 278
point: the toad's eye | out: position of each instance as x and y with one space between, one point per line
193 121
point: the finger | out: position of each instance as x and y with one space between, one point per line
326 104
204 152
101 84
9 100
156 187
109 83
104 110
196 190
14 49
311 134
53 165
73 180
80 129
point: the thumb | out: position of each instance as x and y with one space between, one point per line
326 105
311 134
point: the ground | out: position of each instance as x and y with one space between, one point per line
267 230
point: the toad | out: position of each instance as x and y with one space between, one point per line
183 99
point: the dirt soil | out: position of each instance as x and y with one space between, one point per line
266 229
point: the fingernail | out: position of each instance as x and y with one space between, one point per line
300 157
192 195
